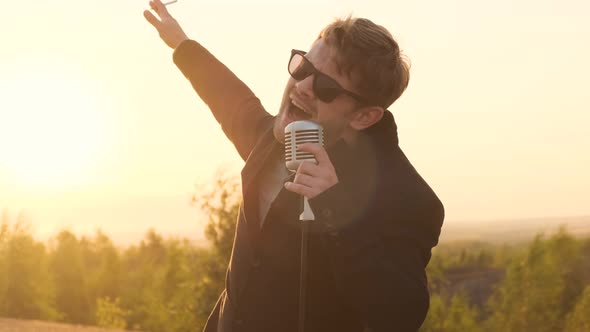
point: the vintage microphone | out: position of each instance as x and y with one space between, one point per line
297 133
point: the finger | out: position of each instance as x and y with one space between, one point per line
309 168
152 19
324 174
304 179
299 189
317 150
160 9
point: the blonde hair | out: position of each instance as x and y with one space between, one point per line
368 52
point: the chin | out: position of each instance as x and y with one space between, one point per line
289 113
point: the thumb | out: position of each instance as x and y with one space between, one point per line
152 19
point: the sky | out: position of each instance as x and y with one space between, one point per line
99 129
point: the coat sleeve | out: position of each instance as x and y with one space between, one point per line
379 260
213 319
232 103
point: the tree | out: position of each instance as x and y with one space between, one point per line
461 316
142 286
110 314
221 203
579 319
434 321
26 289
538 289
167 285
101 264
71 286
457 316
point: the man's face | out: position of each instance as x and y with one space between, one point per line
300 102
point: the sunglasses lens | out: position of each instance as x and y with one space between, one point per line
298 68
325 88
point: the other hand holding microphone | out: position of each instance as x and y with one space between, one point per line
311 179
305 155
168 28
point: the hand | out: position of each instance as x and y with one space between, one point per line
311 179
169 30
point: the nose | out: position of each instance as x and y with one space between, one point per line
305 87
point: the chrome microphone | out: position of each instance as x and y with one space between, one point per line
297 133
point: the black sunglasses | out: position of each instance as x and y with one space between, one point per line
324 87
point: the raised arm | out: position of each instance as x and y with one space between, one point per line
233 104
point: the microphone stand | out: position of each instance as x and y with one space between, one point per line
300 132
306 218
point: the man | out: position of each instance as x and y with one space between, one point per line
376 218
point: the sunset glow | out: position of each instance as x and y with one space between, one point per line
52 130
98 128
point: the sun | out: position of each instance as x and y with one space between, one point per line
51 130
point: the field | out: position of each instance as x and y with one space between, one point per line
16 325
512 231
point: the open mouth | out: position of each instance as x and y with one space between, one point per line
299 113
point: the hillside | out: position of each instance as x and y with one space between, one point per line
512 230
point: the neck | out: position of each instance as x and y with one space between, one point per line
351 138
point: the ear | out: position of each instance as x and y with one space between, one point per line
366 117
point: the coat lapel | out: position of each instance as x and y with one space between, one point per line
265 149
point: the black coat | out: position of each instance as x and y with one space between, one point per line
370 243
